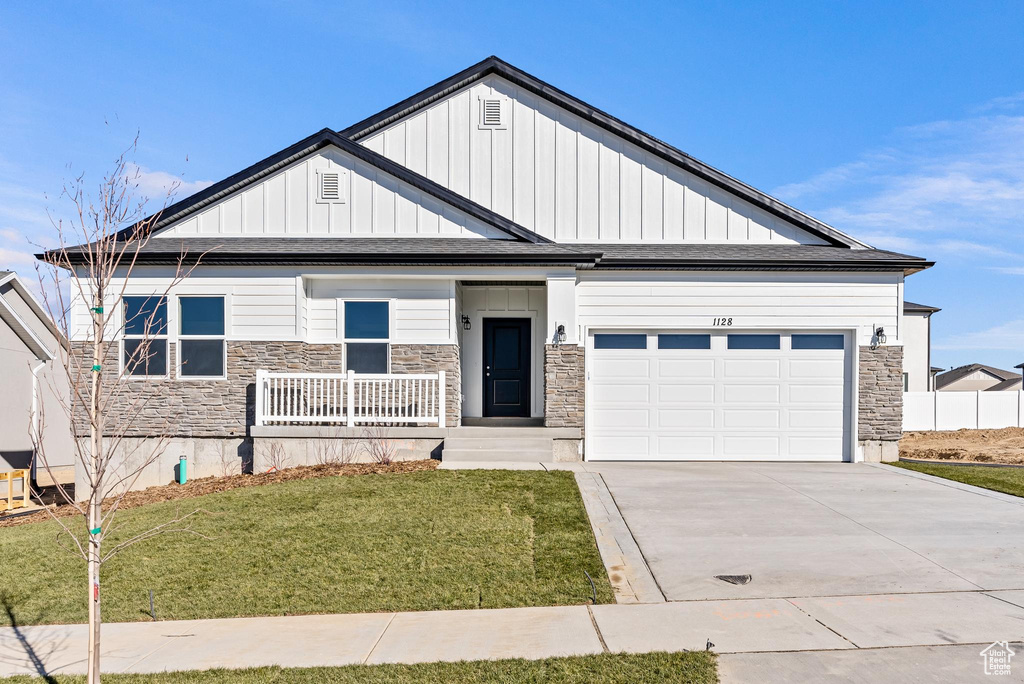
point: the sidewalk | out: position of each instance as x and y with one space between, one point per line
817 624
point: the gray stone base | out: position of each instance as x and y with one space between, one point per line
877 451
289 452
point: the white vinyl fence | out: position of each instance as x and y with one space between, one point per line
957 410
350 399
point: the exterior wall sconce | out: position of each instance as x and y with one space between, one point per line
560 333
466 325
878 338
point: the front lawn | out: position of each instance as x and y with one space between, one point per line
1006 480
415 541
685 668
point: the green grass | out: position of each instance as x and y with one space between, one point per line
693 668
419 541
1006 480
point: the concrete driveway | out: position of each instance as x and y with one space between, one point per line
806 530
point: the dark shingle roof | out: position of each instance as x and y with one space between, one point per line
438 251
1005 385
952 376
911 307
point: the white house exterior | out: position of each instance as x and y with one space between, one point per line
918 374
567 272
34 397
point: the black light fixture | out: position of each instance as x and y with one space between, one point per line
560 333
466 325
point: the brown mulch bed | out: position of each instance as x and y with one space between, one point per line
214 485
966 446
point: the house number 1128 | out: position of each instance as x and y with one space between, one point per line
723 321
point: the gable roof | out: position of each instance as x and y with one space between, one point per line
494 65
952 376
20 327
317 141
1005 385
911 307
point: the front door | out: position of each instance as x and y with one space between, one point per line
506 367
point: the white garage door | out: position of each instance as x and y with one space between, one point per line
674 395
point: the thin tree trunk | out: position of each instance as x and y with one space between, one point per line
95 492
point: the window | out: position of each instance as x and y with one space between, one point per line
367 332
620 341
201 347
818 342
754 341
144 351
684 341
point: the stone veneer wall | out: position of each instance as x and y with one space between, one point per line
208 408
564 385
880 394
431 358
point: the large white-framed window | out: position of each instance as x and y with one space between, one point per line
202 351
144 336
366 335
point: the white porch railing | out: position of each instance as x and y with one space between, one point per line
350 399
957 410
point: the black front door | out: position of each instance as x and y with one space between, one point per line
506 367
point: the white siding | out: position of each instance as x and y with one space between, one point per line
553 173
420 309
915 351
778 301
376 204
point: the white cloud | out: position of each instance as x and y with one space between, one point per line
1008 336
955 186
156 185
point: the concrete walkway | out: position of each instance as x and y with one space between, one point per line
832 624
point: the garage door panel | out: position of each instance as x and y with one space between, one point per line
621 394
816 368
785 402
752 368
740 419
734 446
686 418
622 367
816 394
686 393
672 447
750 394
697 369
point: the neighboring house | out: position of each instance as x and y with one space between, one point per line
917 347
565 270
977 376
34 385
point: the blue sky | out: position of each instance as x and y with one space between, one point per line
902 123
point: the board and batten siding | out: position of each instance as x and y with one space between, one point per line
551 172
776 301
421 310
286 204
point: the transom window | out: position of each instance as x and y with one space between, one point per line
144 347
367 334
201 347
684 341
620 341
818 341
756 341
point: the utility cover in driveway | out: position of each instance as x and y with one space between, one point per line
694 395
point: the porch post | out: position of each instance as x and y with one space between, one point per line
442 390
350 399
260 396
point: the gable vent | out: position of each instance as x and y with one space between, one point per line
493 111
330 186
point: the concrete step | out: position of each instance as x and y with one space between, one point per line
503 454
514 432
487 443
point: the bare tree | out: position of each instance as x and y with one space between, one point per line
330 449
86 278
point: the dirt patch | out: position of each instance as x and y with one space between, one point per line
213 485
974 446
